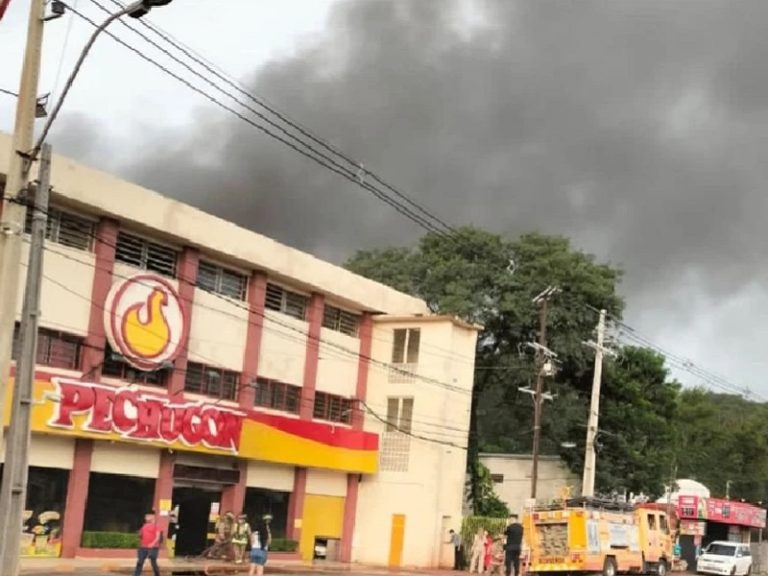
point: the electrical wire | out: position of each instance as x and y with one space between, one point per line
262 102
297 145
445 430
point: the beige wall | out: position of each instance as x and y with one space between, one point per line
515 489
271 476
115 458
326 483
337 369
69 308
430 493
217 332
49 452
283 348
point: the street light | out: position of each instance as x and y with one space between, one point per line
134 10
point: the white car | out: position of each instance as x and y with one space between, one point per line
725 559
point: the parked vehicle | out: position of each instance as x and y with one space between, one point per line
588 535
725 559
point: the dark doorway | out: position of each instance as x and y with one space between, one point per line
194 512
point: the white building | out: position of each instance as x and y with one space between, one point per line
511 475
202 368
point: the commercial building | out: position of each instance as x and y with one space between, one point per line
511 474
193 367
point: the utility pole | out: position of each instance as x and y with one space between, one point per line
13 491
12 210
590 458
542 355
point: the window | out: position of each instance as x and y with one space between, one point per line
116 502
651 522
340 320
497 478
277 395
289 303
405 349
146 254
54 348
399 415
396 441
116 366
663 524
201 379
221 281
65 229
332 408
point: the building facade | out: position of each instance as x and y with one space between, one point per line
511 474
193 367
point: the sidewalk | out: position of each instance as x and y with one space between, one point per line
40 566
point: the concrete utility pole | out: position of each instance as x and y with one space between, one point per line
590 458
542 355
13 210
13 491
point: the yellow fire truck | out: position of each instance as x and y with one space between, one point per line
587 535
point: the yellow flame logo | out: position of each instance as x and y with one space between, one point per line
149 337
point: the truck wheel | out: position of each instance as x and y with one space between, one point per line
661 568
609 568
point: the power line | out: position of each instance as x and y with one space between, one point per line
261 101
298 145
633 336
448 431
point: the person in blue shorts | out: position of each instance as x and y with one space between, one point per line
260 541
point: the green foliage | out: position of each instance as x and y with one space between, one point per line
487 503
722 438
283 545
651 430
120 540
471 524
471 278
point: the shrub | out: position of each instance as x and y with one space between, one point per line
120 540
283 545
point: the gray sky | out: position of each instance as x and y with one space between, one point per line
637 128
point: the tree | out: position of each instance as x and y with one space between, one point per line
637 426
491 281
488 503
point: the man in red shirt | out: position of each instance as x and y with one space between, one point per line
149 543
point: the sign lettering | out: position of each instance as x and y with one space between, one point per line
137 415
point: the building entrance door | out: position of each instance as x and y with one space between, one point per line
194 511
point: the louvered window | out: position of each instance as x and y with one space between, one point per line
285 301
201 379
277 395
340 320
65 229
222 281
395 451
54 348
332 408
145 254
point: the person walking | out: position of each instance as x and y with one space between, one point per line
456 543
149 544
477 552
241 537
261 538
513 545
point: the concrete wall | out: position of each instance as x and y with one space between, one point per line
430 492
515 488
